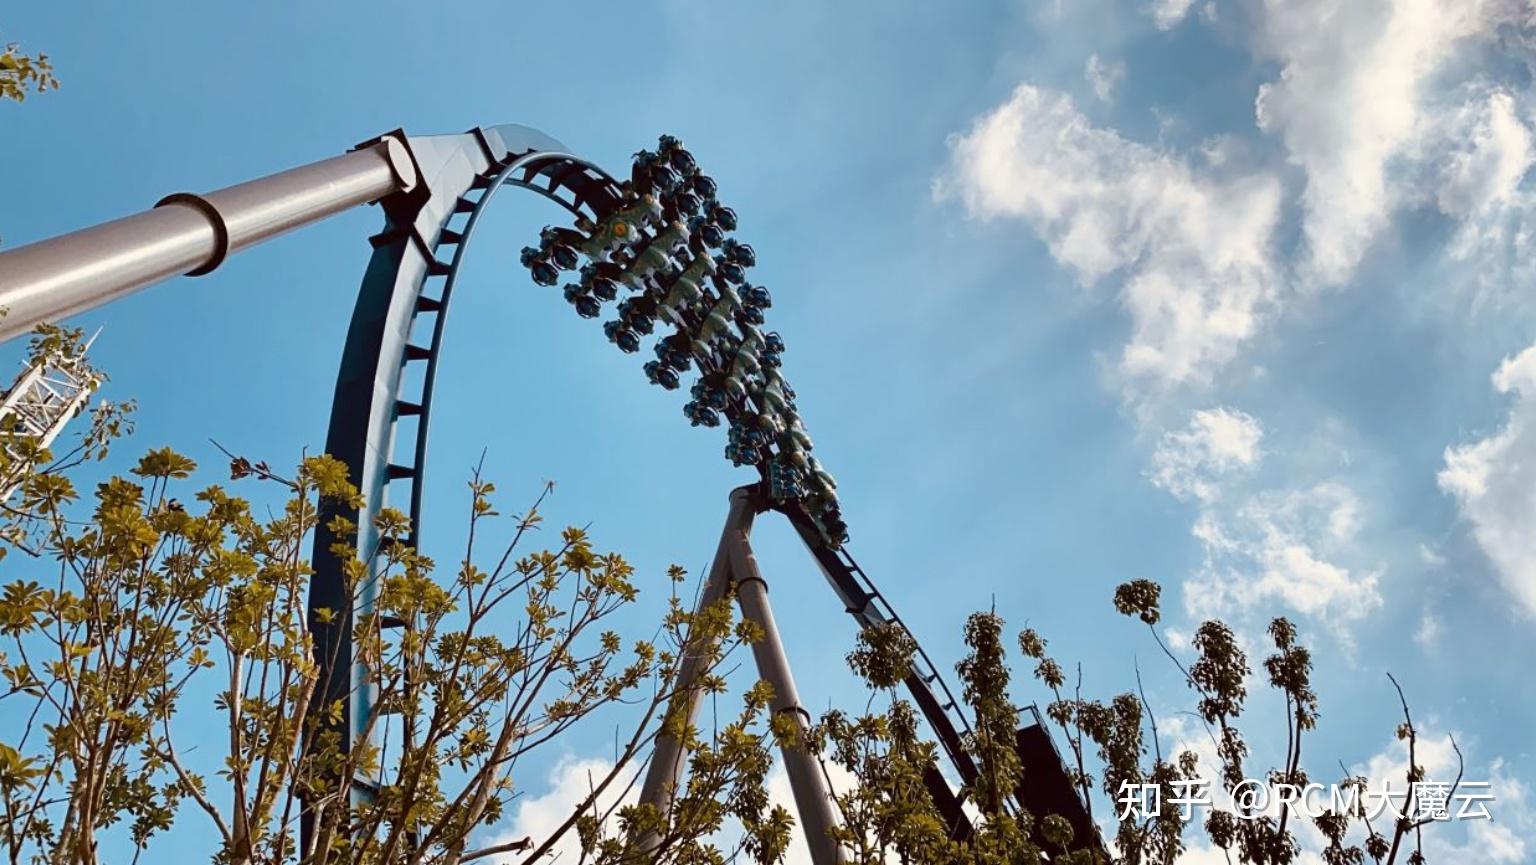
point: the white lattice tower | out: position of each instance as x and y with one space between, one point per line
45 397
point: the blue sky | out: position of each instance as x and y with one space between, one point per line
1230 295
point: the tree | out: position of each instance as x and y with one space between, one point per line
20 73
125 611
122 614
887 815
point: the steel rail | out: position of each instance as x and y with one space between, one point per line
392 306
460 239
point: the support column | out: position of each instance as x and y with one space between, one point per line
813 799
735 564
661 777
191 234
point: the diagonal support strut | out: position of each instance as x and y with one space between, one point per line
735 567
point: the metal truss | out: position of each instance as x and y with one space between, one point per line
45 397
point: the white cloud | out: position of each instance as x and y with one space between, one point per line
1167 14
1356 105
1194 249
1103 77
779 793
1284 547
1494 482
1431 557
1383 105
1188 462
1490 152
1483 184
1500 841
569 782
1428 633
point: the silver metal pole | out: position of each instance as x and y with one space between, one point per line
813 799
187 233
661 776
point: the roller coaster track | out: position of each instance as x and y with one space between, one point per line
433 191
400 321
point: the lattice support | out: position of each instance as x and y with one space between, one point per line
45 397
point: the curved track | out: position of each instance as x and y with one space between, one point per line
593 194
400 321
